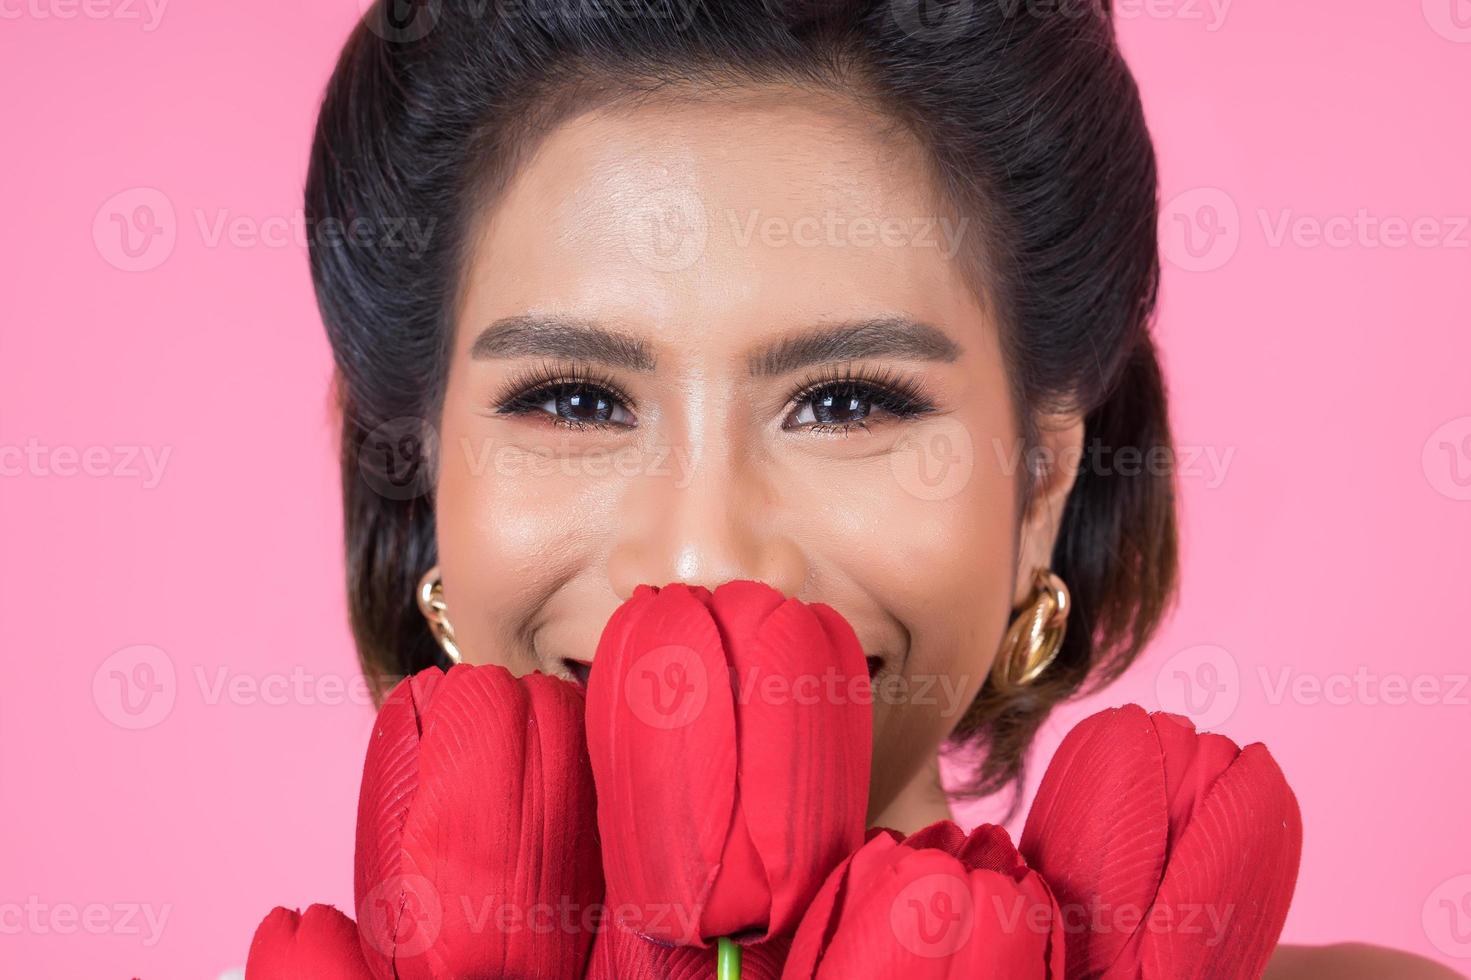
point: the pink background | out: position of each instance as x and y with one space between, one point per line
1328 373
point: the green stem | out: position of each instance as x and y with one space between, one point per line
727 960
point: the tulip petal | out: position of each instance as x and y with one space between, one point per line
620 954
797 673
813 934
320 944
475 824
1054 950
1098 830
942 835
390 779
1193 762
1016 933
492 843
615 635
661 735
916 910
1027 907
740 898
1225 894
989 848
566 864
909 917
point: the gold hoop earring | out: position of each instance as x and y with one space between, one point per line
1034 638
431 604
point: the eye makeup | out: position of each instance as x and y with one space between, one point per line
571 395
824 397
835 399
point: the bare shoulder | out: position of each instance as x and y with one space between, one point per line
1353 961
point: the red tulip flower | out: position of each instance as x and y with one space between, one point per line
938 905
730 736
320 944
477 853
1174 854
620 954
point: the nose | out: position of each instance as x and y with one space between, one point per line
704 521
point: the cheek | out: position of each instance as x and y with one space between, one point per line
513 521
940 559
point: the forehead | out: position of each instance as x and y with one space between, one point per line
730 219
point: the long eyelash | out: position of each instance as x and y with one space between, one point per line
897 394
885 388
528 388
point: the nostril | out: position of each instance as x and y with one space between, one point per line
875 664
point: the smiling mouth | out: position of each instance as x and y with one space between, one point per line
581 669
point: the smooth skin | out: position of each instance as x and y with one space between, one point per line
652 381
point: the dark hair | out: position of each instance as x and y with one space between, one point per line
1030 120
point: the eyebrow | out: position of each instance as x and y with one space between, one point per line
576 339
882 337
565 337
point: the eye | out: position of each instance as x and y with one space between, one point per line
581 403
839 405
572 400
836 404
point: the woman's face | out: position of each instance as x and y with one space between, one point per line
731 340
